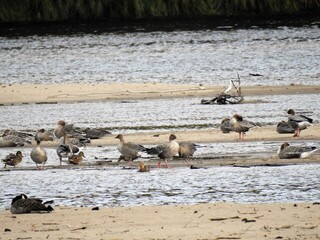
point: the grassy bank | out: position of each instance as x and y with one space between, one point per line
64 10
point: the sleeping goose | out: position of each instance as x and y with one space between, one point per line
13 159
285 127
225 125
130 151
22 204
39 156
11 138
43 135
165 151
286 151
95 133
298 122
239 125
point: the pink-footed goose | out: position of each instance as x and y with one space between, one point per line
39 156
286 151
239 125
298 122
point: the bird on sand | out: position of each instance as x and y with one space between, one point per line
239 125
39 156
22 204
129 150
165 151
76 159
11 138
225 125
285 127
286 151
298 122
13 159
186 149
43 135
143 167
62 129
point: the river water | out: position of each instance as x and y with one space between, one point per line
281 55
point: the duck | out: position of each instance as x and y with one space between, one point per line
143 167
65 150
11 138
22 204
13 159
298 122
225 125
76 159
186 149
39 156
285 127
286 151
165 151
239 125
130 151
43 135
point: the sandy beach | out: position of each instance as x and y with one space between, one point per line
54 93
202 221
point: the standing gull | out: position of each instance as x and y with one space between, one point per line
286 151
166 151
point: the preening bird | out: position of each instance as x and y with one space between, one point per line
239 125
22 204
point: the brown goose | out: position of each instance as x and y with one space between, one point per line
12 159
225 125
286 151
165 151
130 151
62 129
239 125
298 122
187 149
22 204
39 156
43 135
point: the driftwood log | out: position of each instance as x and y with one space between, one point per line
225 97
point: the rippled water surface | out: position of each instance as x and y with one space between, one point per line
115 187
282 55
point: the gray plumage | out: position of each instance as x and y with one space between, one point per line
95 133
43 135
62 129
129 151
186 149
65 150
22 204
286 151
298 122
10 138
225 125
39 155
285 127
239 125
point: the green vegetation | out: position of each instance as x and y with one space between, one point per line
62 10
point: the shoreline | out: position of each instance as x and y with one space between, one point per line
15 94
199 221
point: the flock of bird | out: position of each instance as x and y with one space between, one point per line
71 140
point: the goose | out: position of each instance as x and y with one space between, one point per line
22 204
286 151
186 149
225 125
285 127
165 151
39 156
95 133
298 122
13 159
11 138
65 150
130 151
76 159
62 129
43 135
239 125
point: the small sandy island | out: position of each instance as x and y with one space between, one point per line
54 93
201 221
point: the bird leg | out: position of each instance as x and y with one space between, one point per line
159 164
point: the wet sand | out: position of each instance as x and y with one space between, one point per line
201 221
54 93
